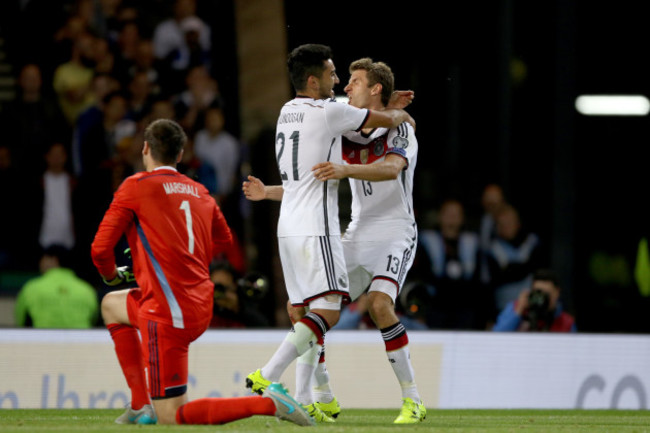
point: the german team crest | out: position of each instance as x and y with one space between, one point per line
400 142
380 148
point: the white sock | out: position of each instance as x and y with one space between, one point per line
396 341
400 360
299 340
305 366
322 391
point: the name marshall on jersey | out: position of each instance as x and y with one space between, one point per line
292 117
180 188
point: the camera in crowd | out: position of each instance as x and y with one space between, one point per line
415 299
253 286
538 314
538 301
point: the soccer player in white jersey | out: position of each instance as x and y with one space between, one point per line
309 131
380 165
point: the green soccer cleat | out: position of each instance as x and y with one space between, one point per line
411 413
256 382
331 409
144 415
287 408
317 414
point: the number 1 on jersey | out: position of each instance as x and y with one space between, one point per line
185 205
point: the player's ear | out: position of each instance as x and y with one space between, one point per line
180 156
146 148
313 82
376 89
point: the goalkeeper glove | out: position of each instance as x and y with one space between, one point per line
124 275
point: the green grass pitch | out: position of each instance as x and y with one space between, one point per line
351 420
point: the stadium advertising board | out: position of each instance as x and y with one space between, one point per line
79 369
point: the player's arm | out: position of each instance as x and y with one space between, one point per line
222 238
255 190
110 230
387 118
401 99
388 169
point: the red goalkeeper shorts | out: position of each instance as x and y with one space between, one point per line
165 351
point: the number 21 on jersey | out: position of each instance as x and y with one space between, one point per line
281 139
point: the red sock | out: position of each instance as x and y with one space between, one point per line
129 354
223 410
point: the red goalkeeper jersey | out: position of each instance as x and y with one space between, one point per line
174 228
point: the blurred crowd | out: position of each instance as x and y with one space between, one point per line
74 128
73 132
84 93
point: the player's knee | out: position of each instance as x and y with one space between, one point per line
380 306
108 307
328 307
295 313
113 308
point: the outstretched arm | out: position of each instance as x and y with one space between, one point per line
255 190
388 118
401 99
388 169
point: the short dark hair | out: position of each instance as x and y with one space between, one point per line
377 72
306 60
547 275
166 139
62 254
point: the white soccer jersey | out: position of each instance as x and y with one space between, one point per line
309 132
386 205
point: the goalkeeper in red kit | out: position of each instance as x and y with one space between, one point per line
174 228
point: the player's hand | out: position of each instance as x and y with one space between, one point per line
254 189
328 170
124 275
401 99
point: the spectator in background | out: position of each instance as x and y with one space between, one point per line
197 169
449 263
220 149
72 78
232 307
146 63
104 57
57 298
512 257
161 108
225 153
170 42
103 17
538 308
491 200
140 96
32 120
65 37
102 85
58 185
126 46
200 93
99 145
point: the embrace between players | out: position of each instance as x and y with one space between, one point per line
173 235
